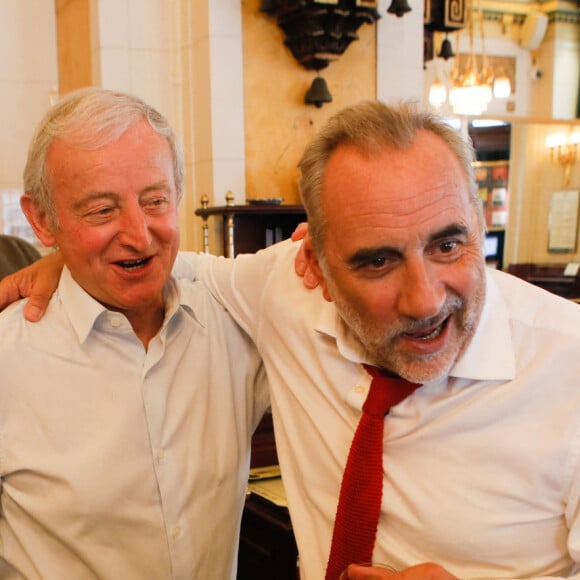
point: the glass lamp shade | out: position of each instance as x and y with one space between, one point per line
437 93
555 140
470 99
502 87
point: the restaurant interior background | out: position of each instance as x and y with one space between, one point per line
222 74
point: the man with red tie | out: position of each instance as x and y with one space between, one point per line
480 474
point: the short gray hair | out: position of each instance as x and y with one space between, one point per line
90 118
371 126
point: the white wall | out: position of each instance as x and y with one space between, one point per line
28 73
136 47
28 77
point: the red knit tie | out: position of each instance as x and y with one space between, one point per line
359 503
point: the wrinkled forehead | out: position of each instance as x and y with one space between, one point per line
399 186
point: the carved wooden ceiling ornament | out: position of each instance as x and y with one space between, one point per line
317 32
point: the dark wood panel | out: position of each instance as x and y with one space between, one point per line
267 546
264 444
491 143
550 277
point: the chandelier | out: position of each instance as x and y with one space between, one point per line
473 82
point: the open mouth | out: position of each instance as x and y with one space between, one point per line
131 265
430 334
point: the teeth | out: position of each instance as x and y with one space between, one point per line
433 334
132 264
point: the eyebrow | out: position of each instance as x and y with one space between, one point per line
366 255
455 229
162 185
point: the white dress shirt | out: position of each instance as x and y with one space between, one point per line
481 469
117 463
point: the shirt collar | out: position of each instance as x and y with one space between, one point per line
489 356
83 310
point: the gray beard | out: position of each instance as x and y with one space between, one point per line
421 368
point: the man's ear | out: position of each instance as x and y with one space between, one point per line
38 219
314 268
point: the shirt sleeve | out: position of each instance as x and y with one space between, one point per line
572 515
572 507
238 284
186 265
241 285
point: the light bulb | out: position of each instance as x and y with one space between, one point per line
502 87
437 93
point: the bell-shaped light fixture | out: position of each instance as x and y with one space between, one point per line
399 8
446 51
318 93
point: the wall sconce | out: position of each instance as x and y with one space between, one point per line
563 150
317 32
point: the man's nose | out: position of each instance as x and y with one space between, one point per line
422 293
134 228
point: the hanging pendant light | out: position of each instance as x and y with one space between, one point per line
446 51
437 93
399 8
318 93
471 91
502 87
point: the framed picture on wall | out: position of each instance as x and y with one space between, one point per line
563 221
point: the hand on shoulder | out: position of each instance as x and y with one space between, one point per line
37 282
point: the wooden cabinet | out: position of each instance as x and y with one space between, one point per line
249 228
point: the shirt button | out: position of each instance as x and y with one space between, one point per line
160 455
360 389
115 322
